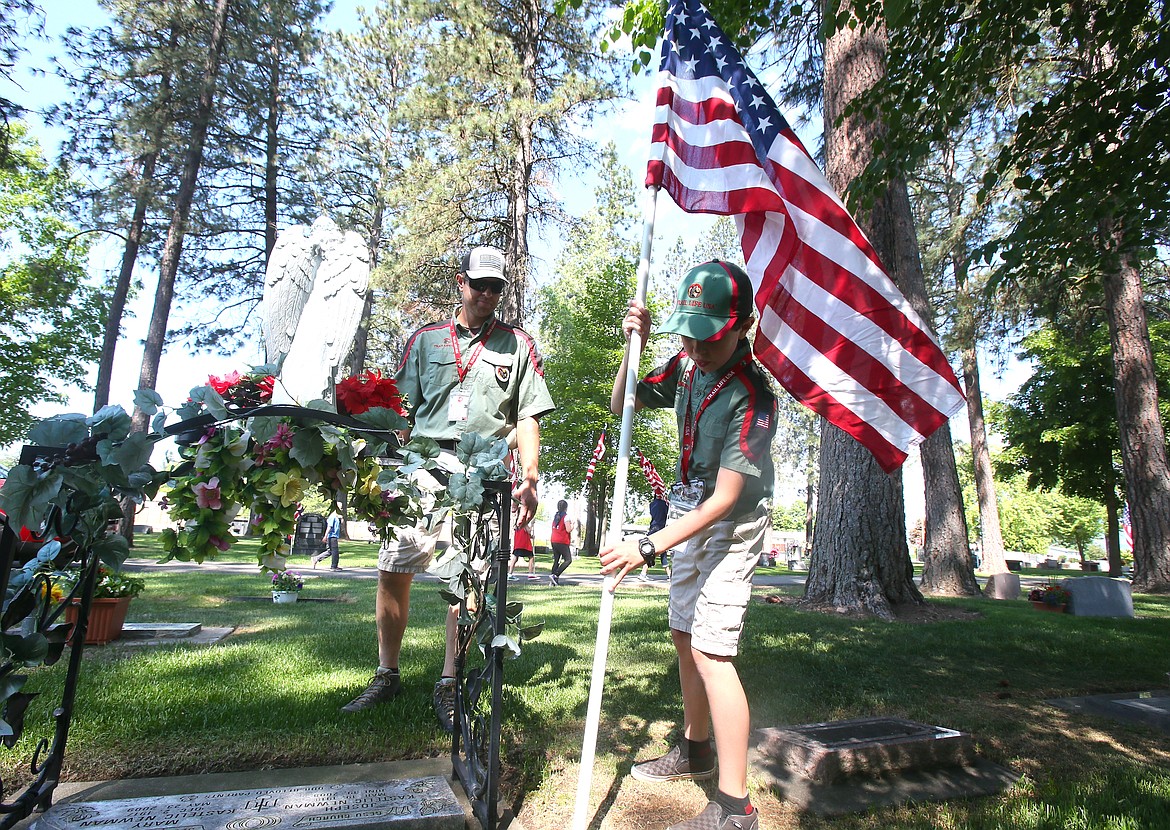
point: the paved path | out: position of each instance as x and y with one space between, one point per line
583 578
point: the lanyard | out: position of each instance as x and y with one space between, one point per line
461 370
690 426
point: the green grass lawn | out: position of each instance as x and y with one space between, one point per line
268 695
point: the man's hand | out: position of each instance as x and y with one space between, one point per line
525 494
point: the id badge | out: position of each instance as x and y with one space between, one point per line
458 405
686 497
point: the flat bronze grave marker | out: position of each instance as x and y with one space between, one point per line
411 804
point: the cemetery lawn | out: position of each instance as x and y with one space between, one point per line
268 696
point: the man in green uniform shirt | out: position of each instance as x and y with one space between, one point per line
471 373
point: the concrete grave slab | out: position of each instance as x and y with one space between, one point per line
1002 586
1099 596
159 631
1150 708
850 766
408 804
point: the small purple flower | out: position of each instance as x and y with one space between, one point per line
207 495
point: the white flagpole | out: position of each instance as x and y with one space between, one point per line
616 515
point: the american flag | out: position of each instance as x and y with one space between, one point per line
834 329
598 454
652 478
1126 529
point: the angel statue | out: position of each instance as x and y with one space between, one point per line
314 294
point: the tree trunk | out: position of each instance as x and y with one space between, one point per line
948 569
860 559
1112 528
516 250
142 197
1143 439
991 535
272 154
101 395
173 248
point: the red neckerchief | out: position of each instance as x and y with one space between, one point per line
461 370
689 426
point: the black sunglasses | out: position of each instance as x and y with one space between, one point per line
487 284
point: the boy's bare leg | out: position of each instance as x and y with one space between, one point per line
696 707
731 719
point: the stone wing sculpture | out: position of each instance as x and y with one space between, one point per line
314 295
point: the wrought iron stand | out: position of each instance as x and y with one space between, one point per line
22 616
479 656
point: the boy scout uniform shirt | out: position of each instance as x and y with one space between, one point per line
502 379
734 430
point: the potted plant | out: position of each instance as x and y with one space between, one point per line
286 586
1051 597
111 599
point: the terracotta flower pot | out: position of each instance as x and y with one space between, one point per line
106 617
1044 606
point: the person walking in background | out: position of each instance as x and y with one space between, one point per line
559 541
468 373
726 413
522 548
332 541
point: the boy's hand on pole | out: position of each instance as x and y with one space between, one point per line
619 560
636 319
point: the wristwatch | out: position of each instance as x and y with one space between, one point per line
647 549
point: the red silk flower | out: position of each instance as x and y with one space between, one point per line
368 390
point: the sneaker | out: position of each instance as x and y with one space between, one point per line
553 580
533 577
674 766
714 817
445 706
382 687
513 578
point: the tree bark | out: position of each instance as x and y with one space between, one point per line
860 559
1143 439
516 250
991 535
173 248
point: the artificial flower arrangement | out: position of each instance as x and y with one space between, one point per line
241 453
1050 594
287 580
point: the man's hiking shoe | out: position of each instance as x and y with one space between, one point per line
445 706
715 817
674 766
382 687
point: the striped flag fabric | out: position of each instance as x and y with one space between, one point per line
598 454
834 329
652 477
1126 529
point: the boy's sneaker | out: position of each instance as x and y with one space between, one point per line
383 686
533 577
513 578
445 706
715 817
674 766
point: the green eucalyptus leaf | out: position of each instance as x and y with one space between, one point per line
450 597
111 420
211 401
148 400
59 431
308 447
159 422
531 632
26 496
112 550
384 419
504 641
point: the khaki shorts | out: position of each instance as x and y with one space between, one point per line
711 584
413 548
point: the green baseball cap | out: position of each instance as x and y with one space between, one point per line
712 298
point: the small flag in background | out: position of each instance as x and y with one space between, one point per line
598 454
1126 530
834 329
652 478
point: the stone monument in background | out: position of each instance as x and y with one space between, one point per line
314 293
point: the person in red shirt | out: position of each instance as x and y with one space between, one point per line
522 547
561 538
